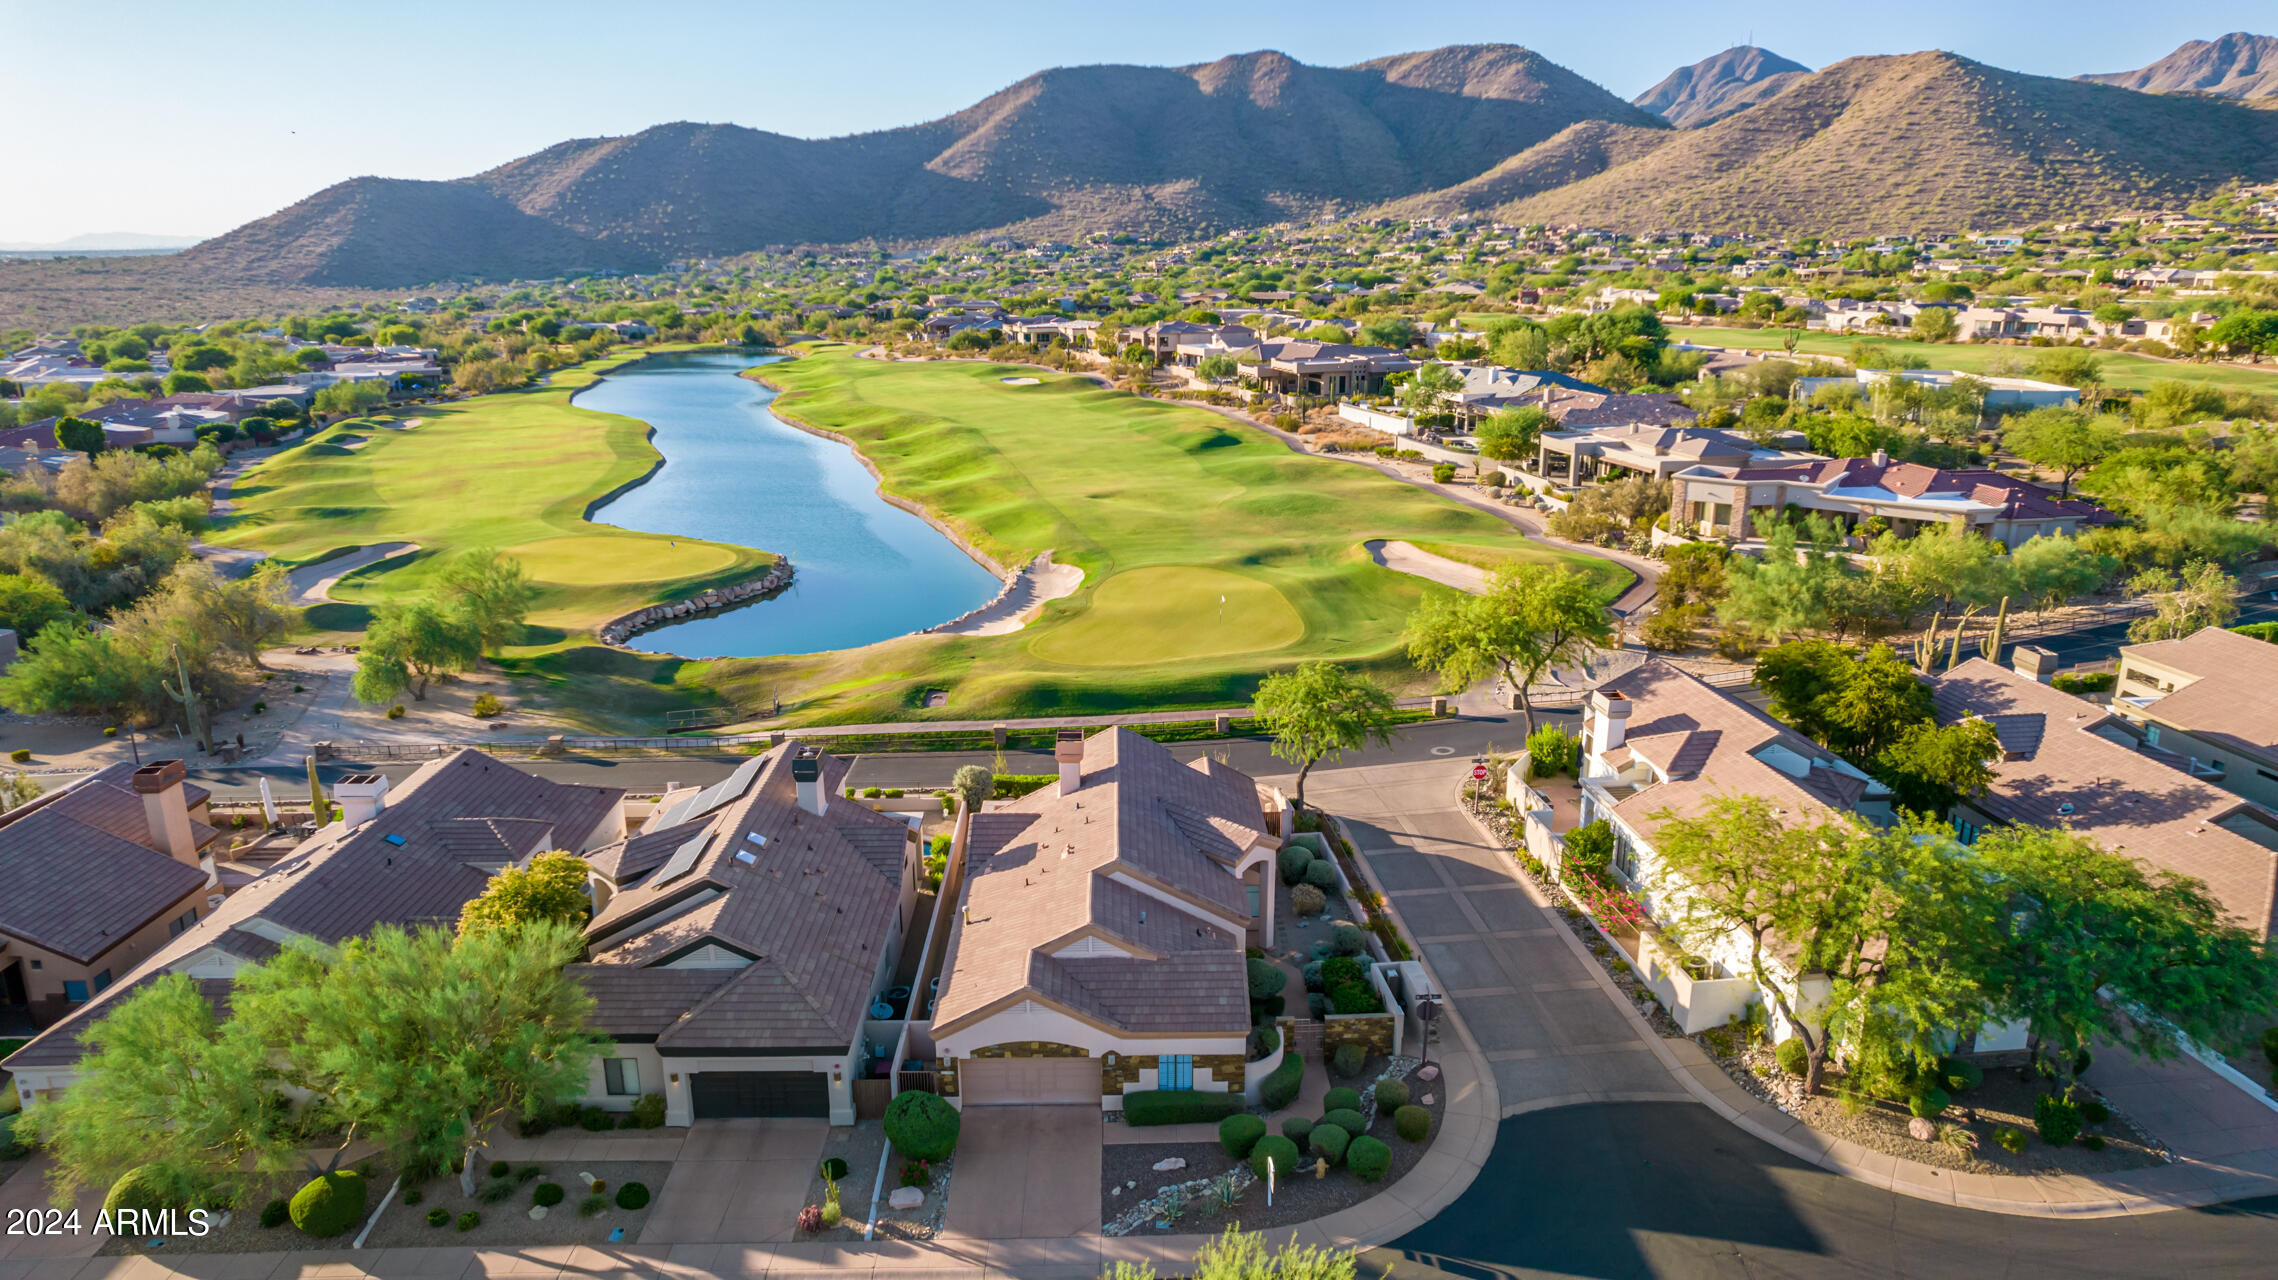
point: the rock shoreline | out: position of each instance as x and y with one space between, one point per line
623 627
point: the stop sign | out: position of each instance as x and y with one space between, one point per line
1479 772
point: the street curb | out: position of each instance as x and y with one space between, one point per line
2060 1196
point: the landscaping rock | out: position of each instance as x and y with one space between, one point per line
906 1197
537 1212
1165 1166
1428 1073
1922 1130
1424 1101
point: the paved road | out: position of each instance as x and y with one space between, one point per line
1669 1190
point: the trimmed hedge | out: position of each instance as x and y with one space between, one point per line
275 1214
632 1196
1960 1077
2057 1119
1238 1133
1794 1058
1369 1159
921 1125
1341 1099
548 1194
1294 858
1352 1122
1266 979
1178 1106
1329 1141
1282 1083
1413 1124
1281 1151
1322 875
330 1205
1391 1095
1348 1060
142 1189
1297 1129
1929 1103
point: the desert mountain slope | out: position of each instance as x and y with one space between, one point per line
1715 87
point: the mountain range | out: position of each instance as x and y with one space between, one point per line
1874 144
2238 65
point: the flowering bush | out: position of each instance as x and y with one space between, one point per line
1613 909
917 1173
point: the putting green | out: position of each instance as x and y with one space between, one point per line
588 560
1171 613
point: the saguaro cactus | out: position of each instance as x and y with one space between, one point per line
1990 645
1926 644
183 692
1961 624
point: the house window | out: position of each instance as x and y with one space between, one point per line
102 979
1625 856
75 992
2151 734
1966 832
1723 512
622 1076
187 918
1174 1071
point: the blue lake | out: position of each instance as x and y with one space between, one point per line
865 570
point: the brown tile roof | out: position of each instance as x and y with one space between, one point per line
2061 770
79 870
809 913
2234 700
632 1001
1707 744
62 1044
2018 499
1039 879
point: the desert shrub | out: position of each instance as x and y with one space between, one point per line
2094 1142
2010 1138
1277 1149
1177 1106
498 1192
1391 1094
1293 859
1266 979
143 1189
921 1125
1345 1118
1297 1129
1589 850
1794 1058
592 1206
469 1220
1282 1083
648 1111
1239 1133
329 1205
20 754
1342 1098
595 1120
1322 875
1443 472
1552 750
276 1213
487 705
1348 1060
1929 1103
1312 975
834 1169
499 1168
1412 1123
437 1217
2084 682
2057 1119
527 1173
548 1194
1308 901
1960 1077
396 713
632 1195
1264 1040
2270 1045
1355 997
1347 939
2094 1112
1329 1141
1368 1158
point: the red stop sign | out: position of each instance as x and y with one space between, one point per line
1479 772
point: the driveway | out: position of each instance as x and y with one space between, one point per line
1535 1013
738 1181
1027 1173
27 1190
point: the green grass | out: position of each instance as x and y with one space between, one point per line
1166 507
2122 370
514 471
8 1046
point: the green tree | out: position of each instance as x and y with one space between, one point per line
79 434
1931 766
1935 324
408 645
28 603
1879 700
552 887
1320 711
1397 332
1510 435
350 399
182 382
1426 394
972 784
2051 569
1531 617
1787 591
2062 439
165 1084
493 592
2070 366
1802 677
2201 596
1218 368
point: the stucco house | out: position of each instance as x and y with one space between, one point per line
1099 941
1725 501
2209 699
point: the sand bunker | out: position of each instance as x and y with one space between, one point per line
1038 581
1021 382
1408 558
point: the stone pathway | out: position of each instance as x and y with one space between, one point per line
313 583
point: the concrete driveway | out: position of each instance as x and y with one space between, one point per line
1026 1173
27 1190
739 1181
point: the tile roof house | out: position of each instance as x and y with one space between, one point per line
95 877
1584 453
1719 500
2068 763
745 933
409 855
2210 698
1099 944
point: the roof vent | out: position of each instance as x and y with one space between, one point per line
2066 807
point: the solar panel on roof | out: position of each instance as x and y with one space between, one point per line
719 793
683 859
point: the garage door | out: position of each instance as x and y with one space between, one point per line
1012 1081
721 1095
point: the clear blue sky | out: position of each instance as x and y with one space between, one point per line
190 118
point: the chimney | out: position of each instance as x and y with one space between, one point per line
361 796
2034 662
1882 457
1609 720
807 775
1068 751
166 810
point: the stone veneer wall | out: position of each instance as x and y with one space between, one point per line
1371 1031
